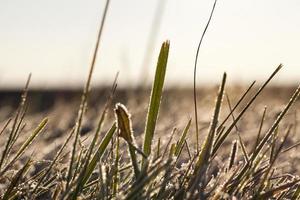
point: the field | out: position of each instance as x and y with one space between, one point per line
222 142
60 106
39 171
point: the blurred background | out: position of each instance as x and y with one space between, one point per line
54 40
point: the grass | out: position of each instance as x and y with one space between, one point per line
101 168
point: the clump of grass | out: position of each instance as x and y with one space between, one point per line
100 172
102 169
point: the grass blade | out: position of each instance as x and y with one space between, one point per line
85 94
195 73
222 138
125 131
182 138
15 180
35 133
276 123
97 156
155 98
208 144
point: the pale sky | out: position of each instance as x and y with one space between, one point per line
54 39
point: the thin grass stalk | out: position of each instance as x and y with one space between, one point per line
195 75
86 92
100 122
5 126
238 132
78 164
273 144
188 149
98 154
291 147
272 161
237 104
180 142
270 193
135 190
95 138
158 149
168 143
296 194
35 133
260 128
166 177
275 124
116 178
58 154
16 180
15 122
222 138
233 154
268 135
205 153
16 133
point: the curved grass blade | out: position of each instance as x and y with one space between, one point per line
195 73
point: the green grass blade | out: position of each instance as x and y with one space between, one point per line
84 177
182 138
85 94
16 180
5 126
270 193
238 131
267 136
16 123
90 150
57 156
204 156
237 104
116 178
35 133
155 98
233 154
276 123
208 143
222 138
101 149
260 128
